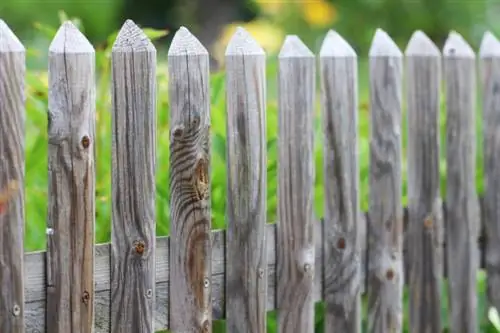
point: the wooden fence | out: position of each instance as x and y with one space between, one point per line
140 283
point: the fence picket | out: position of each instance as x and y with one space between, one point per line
12 175
295 226
342 262
133 184
71 206
462 229
246 275
425 223
190 213
385 263
490 83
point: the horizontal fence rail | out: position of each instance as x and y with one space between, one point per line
143 283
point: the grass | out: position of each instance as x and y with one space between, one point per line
36 159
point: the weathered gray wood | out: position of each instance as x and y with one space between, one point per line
12 170
246 277
490 84
71 200
339 104
425 228
190 212
385 263
133 181
35 279
462 227
296 267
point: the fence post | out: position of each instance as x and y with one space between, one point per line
342 262
462 227
71 202
246 275
12 157
190 212
425 225
490 84
133 181
385 263
295 233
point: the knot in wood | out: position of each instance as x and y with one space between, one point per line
139 247
201 179
206 326
261 273
149 293
389 274
178 132
85 297
85 142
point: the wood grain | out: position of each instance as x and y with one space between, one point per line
342 268
385 228
296 266
462 227
425 228
34 272
190 211
246 269
12 171
133 236
490 83
71 201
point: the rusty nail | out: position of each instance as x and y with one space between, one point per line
341 243
85 297
16 310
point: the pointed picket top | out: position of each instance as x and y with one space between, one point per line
131 37
421 45
490 46
8 40
243 43
294 47
383 46
185 43
69 39
336 46
457 47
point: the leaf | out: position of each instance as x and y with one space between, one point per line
154 34
494 318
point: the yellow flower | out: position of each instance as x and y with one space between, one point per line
268 36
319 13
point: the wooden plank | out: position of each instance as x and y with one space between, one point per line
462 229
425 229
190 211
12 170
339 104
490 83
246 277
296 271
385 270
133 181
71 201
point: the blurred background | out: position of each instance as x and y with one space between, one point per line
213 20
